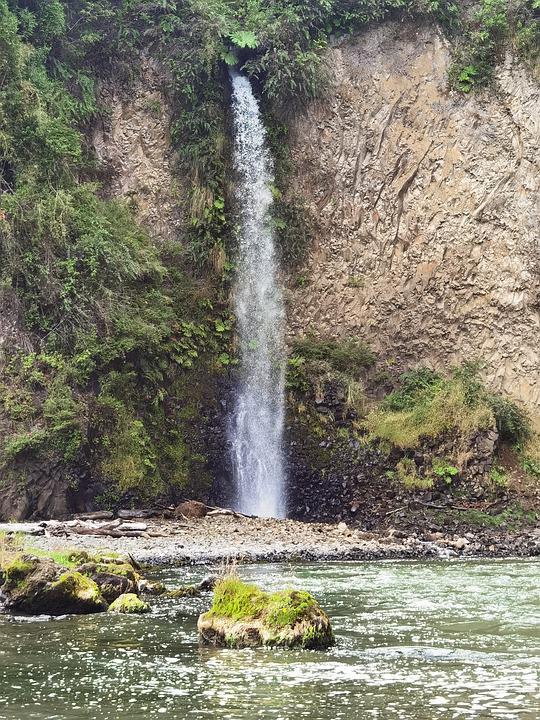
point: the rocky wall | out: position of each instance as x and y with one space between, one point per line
428 208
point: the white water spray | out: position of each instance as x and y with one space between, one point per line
256 427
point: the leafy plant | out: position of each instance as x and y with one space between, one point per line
444 470
244 39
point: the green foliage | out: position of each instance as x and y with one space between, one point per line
294 229
444 470
512 518
413 385
429 409
244 39
348 356
492 27
498 477
237 600
513 422
407 473
427 404
115 323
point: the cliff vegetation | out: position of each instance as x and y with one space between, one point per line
111 343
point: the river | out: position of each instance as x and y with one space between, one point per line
415 640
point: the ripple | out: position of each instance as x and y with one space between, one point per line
415 641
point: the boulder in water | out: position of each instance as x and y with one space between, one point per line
244 616
129 604
113 578
40 586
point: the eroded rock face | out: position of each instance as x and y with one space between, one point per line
428 203
133 143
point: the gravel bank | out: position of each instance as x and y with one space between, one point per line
213 539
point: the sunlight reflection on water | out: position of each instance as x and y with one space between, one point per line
415 641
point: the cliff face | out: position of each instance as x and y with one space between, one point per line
132 143
428 204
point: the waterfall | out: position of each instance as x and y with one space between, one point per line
256 426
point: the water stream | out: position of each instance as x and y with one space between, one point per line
256 426
415 641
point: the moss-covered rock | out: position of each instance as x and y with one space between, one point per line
182 592
113 578
130 604
147 587
244 616
41 586
74 593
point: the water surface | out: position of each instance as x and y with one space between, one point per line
418 641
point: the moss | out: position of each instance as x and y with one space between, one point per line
244 616
512 518
129 604
313 637
286 608
187 591
237 600
17 570
348 356
76 587
152 588
407 472
62 557
124 569
444 405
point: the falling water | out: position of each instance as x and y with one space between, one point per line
256 427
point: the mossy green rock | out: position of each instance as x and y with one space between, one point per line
113 579
244 616
129 604
40 586
183 592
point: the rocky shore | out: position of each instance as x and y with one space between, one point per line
221 538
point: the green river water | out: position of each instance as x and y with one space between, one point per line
415 640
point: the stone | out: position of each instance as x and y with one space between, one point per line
208 583
438 217
147 587
39 586
129 604
191 509
113 576
244 616
182 592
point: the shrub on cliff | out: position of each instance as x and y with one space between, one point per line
427 404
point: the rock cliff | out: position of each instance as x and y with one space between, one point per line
428 205
133 145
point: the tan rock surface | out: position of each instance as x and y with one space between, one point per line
133 143
429 209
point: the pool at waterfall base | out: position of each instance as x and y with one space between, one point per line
415 640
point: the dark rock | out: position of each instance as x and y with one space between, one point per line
191 509
40 586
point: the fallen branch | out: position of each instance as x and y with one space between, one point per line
391 512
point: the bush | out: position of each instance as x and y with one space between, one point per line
427 404
349 356
408 474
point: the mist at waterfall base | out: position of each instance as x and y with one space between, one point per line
256 424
